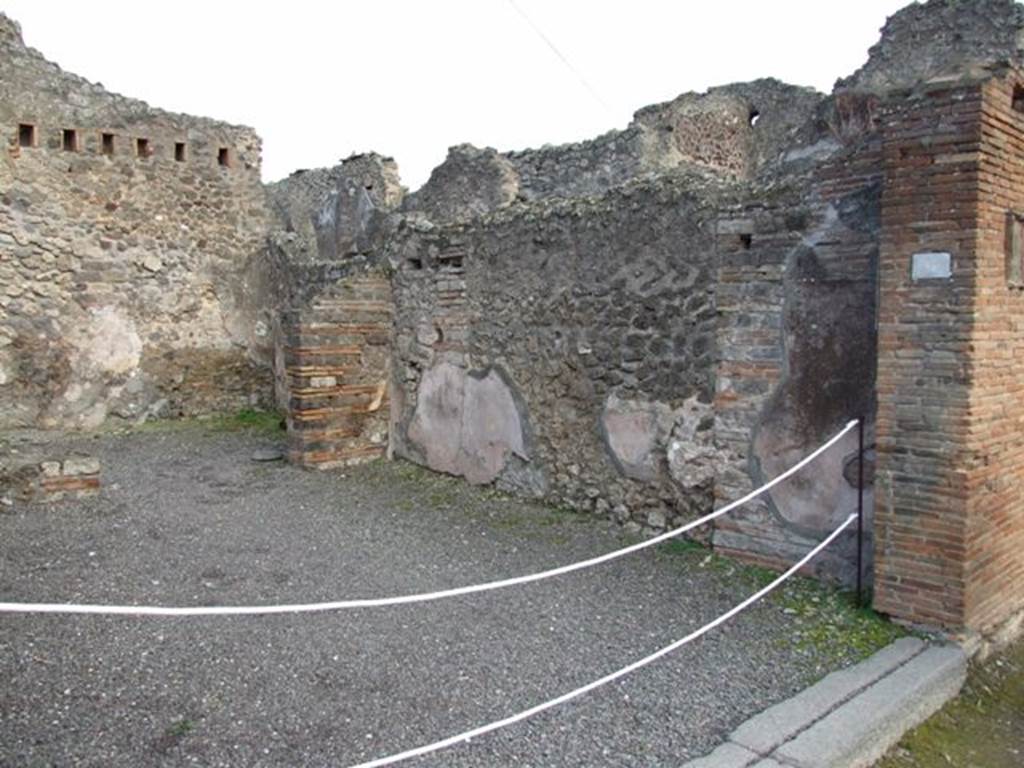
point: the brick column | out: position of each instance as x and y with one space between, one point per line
337 365
994 570
948 523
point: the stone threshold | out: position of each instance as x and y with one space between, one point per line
850 718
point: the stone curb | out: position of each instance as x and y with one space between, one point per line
851 717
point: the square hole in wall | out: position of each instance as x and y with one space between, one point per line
26 135
224 157
451 258
1018 98
179 151
69 140
107 143
142 147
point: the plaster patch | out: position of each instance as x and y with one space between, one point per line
111 344
466 424
634 432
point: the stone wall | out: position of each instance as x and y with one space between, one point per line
300 205
794 243
650 349
635 326
780 216
333 215
333 363
734 130
795 293
131 255
565 350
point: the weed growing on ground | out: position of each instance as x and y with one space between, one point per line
271 420
419 487
983 726
247 419
678 547
829 623
181 727
832 625
401 469
442 497
172 735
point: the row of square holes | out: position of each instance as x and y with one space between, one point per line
70 141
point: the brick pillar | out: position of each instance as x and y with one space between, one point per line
337 365
948 518
994 570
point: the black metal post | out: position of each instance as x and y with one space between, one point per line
860 511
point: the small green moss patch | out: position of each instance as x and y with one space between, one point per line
982 728
828 621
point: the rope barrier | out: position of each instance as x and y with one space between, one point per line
421 597
566 697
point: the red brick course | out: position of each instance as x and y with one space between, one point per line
337 370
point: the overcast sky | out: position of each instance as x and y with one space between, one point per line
320 80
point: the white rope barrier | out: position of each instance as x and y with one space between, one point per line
421 597
566 697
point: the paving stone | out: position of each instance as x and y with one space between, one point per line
766 731
267 454
860 731
728 755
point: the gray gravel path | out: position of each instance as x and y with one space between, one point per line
187 518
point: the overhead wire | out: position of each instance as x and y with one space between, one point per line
562 57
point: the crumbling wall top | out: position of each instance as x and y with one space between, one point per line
737 128
697 186
733 131
10 30
940 38
469 182
334 213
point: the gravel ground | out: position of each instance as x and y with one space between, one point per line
186 518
